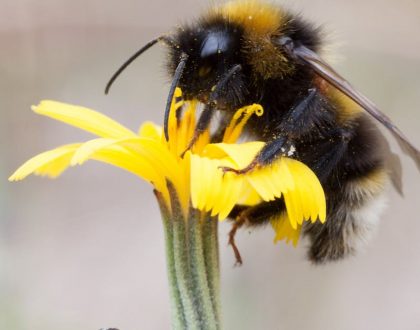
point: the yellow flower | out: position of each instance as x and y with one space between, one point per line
196 177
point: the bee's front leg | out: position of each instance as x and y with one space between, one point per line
211 106
297 122
281 146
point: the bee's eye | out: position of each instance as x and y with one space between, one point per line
215 43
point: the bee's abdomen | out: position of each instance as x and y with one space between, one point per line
355 197
353 214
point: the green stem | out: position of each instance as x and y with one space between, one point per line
201 287
178 317
211 258
183 278
193 266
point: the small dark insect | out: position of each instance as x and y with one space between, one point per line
248 52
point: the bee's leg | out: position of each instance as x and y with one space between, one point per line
210 108
323 157
252 216
232 233
297 121
281 146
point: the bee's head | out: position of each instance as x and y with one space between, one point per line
213 49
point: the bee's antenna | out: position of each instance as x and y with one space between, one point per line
133 57
177 75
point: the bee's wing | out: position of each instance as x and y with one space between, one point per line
329 74
392 163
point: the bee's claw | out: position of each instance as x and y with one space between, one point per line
183 153
190 145
226 169
244 170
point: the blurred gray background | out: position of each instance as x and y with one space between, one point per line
86 251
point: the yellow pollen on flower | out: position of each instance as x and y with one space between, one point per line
196 178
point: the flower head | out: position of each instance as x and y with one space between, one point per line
196 177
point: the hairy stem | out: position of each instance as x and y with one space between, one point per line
193 266
211 258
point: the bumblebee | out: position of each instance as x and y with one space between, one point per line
246 52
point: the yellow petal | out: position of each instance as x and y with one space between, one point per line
282 166
284 231
176 106
134 163
202 178
302 193
233 192
50 163
84 118
202 141
88 148
311 191
195 180
248 195
271 181
153 151
120 157
144 157
306 200
186 128
292 207
261 179
214 189
156 152
211 190
240 154
307 193
150 130
184 191
230 191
